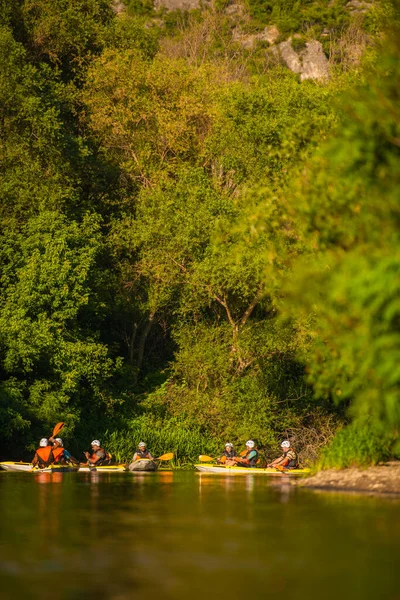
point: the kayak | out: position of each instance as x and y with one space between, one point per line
16 466
143 464
56 469
103 468
223 470
29 468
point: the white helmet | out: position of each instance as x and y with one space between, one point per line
229 444
141 445
285 444
43 442
95 443
250 444
59 440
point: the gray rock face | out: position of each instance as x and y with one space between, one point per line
290 57
310 63
315 63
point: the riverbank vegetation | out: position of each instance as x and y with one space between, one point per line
195 246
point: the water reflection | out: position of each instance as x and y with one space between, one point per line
170 535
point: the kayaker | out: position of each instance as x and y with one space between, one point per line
99 456
142 452
227 456
250 458
61 455
43 455
288 460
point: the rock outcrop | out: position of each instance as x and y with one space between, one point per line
314 62
310 63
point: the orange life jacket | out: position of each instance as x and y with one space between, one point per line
58 454
101 461
143 453
45 456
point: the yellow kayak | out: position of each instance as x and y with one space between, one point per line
223 470
16 466
29 468
120 468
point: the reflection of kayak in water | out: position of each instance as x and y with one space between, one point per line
29 468
103 468
223 470
143 464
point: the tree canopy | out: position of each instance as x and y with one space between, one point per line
192 240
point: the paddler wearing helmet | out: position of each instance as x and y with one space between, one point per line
43 455
227 456
99 456
61 454
142 452
288 459
250 457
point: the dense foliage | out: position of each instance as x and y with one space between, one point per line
195 247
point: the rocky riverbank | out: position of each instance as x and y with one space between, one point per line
382 479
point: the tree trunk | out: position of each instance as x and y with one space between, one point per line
142 344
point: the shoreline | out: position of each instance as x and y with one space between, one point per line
383 479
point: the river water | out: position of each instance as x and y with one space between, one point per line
185 535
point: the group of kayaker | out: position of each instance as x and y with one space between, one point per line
51 451
250 457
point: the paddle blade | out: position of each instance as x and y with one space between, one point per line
205 458
166 456
57 428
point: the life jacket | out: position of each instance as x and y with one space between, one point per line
101 461
58 454
254 459
45 455
229 454
293 462
143 453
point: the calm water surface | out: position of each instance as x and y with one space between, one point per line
191 536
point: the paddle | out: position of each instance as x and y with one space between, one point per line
205 458
166 456
278 468
57 428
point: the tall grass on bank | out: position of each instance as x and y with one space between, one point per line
161 437
358 445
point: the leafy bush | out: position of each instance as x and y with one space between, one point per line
358 445
161 436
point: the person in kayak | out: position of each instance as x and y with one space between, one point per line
288 460
227 456
141 452
61 455
43 455
99 456
250 457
